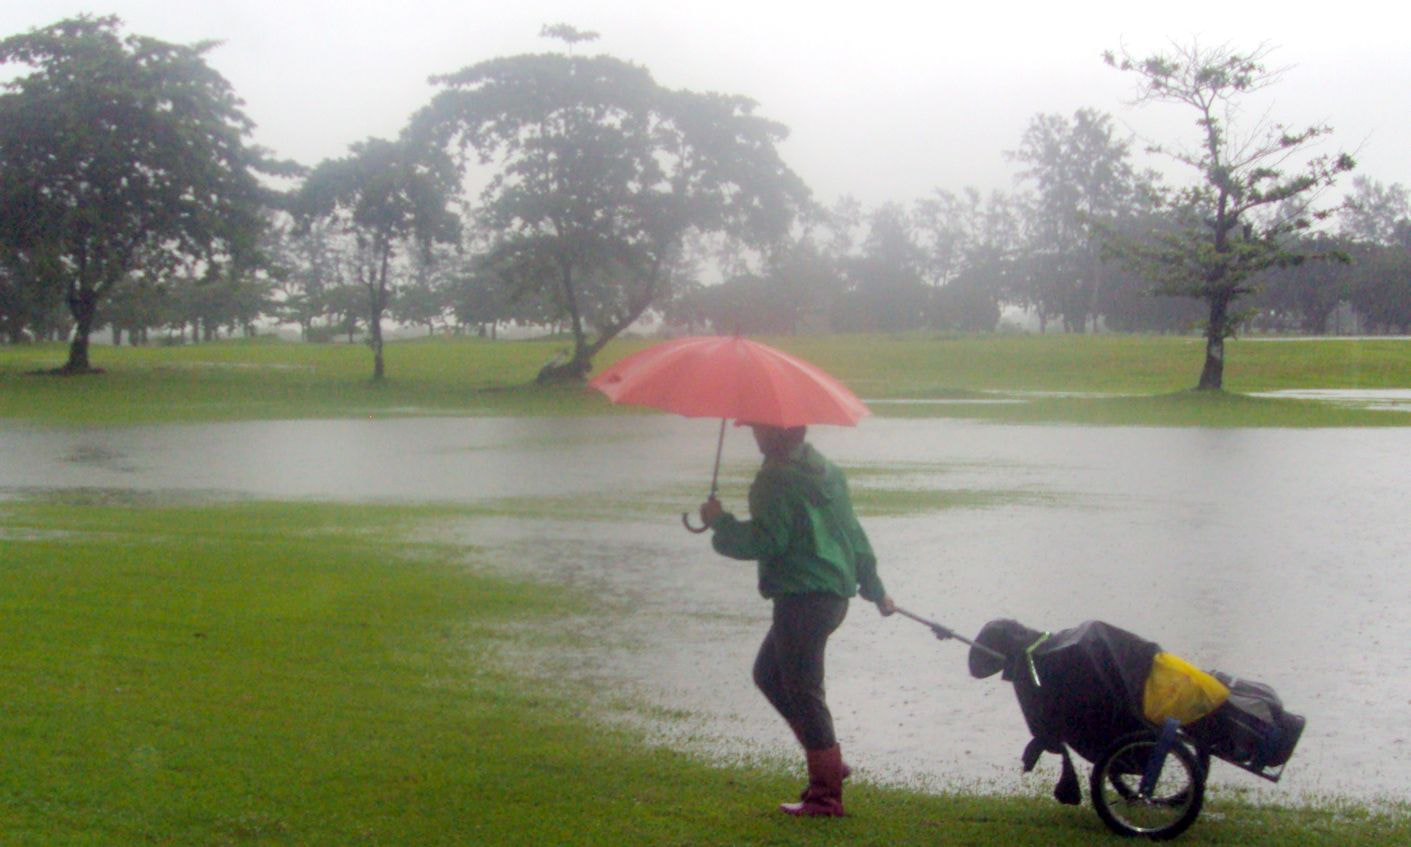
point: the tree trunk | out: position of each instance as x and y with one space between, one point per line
1212 376
379 368
84 308
377 291
374 332
575 369
78 355
1095 294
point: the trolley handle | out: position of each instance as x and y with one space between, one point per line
945 632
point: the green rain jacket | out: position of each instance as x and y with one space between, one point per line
802 531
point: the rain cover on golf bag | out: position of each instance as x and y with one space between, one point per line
1084 688
1081 687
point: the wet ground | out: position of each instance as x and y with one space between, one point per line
1278 555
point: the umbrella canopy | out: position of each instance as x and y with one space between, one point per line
730 377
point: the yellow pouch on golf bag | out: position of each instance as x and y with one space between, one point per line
1177 689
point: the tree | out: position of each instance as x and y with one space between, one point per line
121 157
135 309
308 265
969 244
793 290
1378 222
1084 183
885 287
387 196
1381 285
478 297
602 177
1234 221
1304 296
28 309
425 299
1376 213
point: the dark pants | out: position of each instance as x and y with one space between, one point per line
789 667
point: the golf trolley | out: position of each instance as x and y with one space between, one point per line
1149 723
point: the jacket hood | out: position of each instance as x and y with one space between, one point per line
806 469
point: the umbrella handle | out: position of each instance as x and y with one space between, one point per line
686 522
714 482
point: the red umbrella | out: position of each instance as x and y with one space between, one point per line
729 377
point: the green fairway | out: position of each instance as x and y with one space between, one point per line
1107 379
305 674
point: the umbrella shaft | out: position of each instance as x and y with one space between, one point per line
715 474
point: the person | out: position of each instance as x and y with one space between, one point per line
813 556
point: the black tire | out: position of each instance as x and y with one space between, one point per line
1169 810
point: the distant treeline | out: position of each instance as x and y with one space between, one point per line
1365 290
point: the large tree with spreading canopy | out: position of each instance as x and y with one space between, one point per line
601 178
122 157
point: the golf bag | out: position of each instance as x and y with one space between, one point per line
1085 687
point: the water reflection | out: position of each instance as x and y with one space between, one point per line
1272 554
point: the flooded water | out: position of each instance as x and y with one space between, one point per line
1277 555
1383 399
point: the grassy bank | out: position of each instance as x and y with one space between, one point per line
1141 379
304 674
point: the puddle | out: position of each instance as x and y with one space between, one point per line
1381 399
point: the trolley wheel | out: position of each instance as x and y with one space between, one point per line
1168 809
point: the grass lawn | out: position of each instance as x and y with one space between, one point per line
310 674
1109 379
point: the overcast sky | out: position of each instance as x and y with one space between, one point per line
884 100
